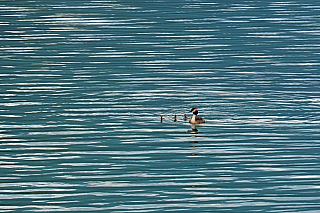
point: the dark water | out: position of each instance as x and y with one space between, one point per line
83 85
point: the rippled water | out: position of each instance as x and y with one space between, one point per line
83 85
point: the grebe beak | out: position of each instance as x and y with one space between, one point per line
192 109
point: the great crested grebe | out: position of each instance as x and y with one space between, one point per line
186 117
174 118
162 118
195 119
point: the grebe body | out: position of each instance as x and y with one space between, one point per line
195 119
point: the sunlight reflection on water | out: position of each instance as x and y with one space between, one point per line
84 85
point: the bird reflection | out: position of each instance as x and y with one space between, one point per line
195 144
194 129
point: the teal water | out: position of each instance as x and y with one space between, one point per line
83 85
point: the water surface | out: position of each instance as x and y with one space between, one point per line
83 85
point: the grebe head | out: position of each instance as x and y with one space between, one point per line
194 110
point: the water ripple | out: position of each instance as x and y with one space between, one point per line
83 87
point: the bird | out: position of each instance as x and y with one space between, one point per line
174 118
186 117
195 119
162 118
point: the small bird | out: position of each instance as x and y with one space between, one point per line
186 117
162 118
195 119
174 118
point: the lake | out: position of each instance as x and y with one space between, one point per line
84 83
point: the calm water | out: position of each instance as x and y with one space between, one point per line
83 85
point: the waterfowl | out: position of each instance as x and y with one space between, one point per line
195 119
174 118
162 118
186 117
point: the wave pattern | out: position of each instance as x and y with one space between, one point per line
83 85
